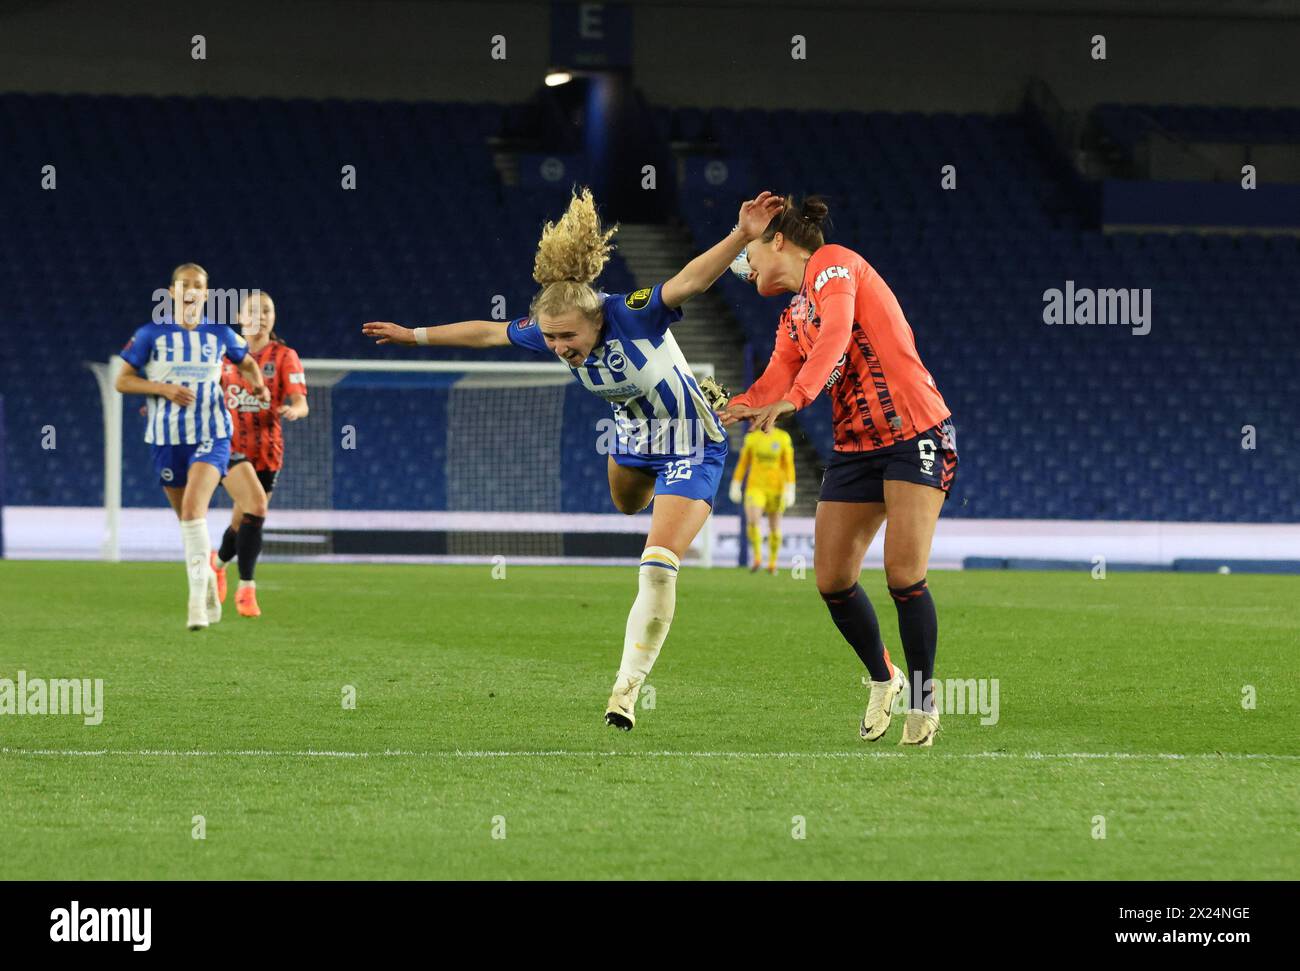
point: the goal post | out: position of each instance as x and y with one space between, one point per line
457 461
110 403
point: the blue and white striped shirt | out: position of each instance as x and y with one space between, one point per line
171 354
639 369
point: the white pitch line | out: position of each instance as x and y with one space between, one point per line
563 753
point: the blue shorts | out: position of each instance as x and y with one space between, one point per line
686 477
172 462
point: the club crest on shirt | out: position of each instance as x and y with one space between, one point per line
614 359
209 351
268 369
639 299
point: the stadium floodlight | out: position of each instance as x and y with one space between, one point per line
555 78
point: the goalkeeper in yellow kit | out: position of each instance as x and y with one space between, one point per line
768 457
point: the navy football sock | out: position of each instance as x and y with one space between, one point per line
250 544
918 626
853 615
228 547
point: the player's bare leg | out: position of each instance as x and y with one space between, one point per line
773 540
843 533
913 512
630 488
251 504
754 533
174 496
222 557
673 527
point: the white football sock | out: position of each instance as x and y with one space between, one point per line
652 612
247 583
198 547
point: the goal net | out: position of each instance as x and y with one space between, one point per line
461 461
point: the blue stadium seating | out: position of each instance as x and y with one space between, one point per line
1054 422
1126 125
251 189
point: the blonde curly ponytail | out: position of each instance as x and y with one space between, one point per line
570 256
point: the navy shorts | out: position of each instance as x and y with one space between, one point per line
172 462
929 459
265 476
686 477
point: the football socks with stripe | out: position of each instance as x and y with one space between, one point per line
918 627
652 611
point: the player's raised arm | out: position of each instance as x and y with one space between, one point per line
465 333
703 271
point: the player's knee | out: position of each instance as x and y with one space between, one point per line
903 572
830 583
258 509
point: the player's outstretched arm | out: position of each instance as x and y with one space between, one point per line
703 271
465 333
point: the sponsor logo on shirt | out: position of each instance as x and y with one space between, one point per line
828 274
639 299
197 373
298 378
838 371
237 399
525 323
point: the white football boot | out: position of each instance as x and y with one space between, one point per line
213 601
198 616
621 710
880 706
920 728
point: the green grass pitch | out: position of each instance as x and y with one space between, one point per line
479 709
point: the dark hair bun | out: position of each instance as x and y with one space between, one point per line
815 210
